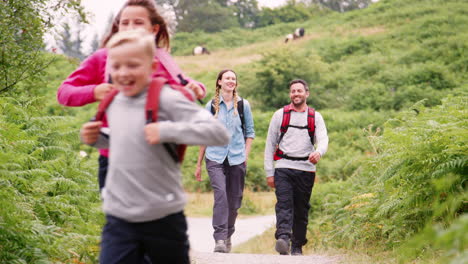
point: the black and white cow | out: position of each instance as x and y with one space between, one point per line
200 50
298 33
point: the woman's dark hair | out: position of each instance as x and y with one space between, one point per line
162 37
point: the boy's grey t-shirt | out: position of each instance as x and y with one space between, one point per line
143 181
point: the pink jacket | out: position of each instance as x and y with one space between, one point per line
78 88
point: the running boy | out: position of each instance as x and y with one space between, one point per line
143 196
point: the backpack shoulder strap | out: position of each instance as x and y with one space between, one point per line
285 121
104 104
151 109
152 101
311 123
286 118
174 71
240 111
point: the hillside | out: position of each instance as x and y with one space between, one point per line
366 67
390 81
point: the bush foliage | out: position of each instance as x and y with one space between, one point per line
49 197
411 195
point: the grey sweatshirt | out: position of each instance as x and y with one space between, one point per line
295 143
143 181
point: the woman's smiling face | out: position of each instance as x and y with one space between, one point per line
228 81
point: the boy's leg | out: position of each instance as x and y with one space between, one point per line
165 240
119 243
303 182
220 207
102 171
235 181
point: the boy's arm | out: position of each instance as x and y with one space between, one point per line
187 122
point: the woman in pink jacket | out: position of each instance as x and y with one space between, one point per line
89 83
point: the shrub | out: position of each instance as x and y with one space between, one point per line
413 187
49 195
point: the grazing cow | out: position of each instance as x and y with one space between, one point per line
289 37
200 50
298 33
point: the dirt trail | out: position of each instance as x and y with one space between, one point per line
230 58
216 258
202 243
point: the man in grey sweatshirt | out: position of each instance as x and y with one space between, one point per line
293 174
143 197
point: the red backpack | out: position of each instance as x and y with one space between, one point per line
284 128
151 109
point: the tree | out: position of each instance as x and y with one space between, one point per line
246 12
288 13
71 43
209 17
94 43
22 27
204 15
341 5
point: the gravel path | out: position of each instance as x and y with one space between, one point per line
215 258
202 244
201 231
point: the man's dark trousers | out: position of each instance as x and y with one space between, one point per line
162 241
228 187
293 189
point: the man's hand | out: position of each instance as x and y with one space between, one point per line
198 173
102 90
271 181
314 157
197 90
152 133
89 132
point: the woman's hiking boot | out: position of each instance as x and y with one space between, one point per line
220 246
282 245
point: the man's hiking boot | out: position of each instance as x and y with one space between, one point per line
296 251
220 246
228 245
282 246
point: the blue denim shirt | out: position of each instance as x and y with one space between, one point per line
235 150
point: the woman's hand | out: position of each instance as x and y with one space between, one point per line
102 90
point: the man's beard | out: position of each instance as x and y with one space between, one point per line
300 103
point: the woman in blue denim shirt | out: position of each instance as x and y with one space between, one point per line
226 165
